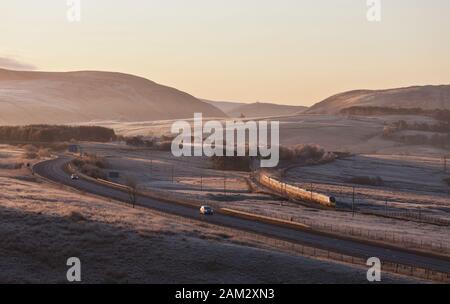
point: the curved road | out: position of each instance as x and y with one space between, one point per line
53 170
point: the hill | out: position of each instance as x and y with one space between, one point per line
424 97
225 106
70 97
258 109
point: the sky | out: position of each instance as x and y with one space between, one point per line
285 51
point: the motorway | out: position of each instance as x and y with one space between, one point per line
53 170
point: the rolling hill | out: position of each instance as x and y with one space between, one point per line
225 106
258 109
425 97
265 109
71 97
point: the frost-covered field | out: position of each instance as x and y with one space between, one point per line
43 225
334 133
409 183
192 177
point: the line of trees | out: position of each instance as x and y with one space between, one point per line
302 154
439 137
163 143
50 133
437 140
438 114
441 127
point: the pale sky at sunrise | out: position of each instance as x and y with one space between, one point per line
284 51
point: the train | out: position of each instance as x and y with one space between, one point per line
297 193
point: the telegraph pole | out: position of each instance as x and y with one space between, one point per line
353 202
224 185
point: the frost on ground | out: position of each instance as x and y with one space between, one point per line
333 132
193 178
42 226
407 183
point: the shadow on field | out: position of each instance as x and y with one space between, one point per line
35 247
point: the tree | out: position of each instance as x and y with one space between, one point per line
132 186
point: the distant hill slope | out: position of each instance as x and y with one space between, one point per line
55 98
265 109
225 106
235 109
425 97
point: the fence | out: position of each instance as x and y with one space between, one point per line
417 272
389 237
407 215
286 246
349 201
279 188
286 190
308 251
385 236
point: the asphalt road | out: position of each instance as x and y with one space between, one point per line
53 170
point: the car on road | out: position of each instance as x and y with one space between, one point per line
206 210
74 177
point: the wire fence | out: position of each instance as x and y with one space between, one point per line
417 272
291 247
391 209
402 238
295 248
386 236
348 198
407 215
371 234
313 252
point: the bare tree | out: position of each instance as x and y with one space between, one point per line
132 185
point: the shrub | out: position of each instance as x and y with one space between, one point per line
309 152
78 162
136 141
168 138
30 148
13 166
164 146
44 153
286 154
75 216
312 154
96 161
93 171
31 155
235 163
366 180
447 180
91 165
57 147
50 133
18 166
